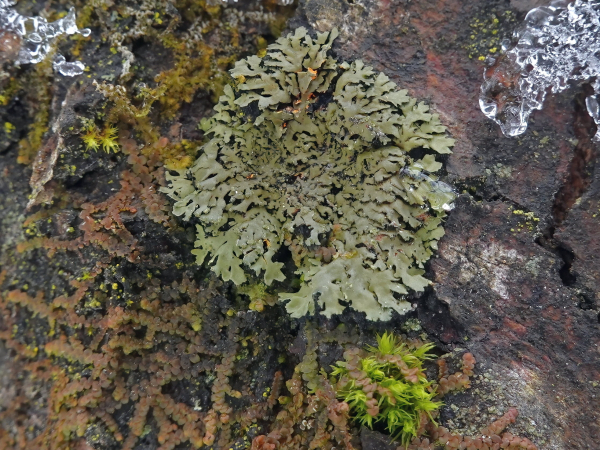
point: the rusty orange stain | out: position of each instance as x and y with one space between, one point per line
516 327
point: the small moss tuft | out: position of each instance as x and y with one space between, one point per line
387 385
94 138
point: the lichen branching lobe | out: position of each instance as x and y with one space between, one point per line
312 154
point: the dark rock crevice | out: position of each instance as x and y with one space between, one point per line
582 165
576 183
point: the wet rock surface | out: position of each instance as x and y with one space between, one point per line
517 272
516 278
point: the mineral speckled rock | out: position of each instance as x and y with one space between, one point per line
516 279
500 275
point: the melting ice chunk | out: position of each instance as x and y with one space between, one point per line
67 69
557 44
37 36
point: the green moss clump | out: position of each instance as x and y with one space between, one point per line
94 138
387 384
315 156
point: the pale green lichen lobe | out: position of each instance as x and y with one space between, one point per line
315 155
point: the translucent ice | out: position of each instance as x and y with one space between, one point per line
557 43
67 69
37 36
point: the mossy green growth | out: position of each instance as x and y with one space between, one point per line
387 384
94 138
313 155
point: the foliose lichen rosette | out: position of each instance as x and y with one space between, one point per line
315 155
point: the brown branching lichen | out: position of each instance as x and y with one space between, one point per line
123 342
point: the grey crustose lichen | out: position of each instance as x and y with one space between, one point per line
315 155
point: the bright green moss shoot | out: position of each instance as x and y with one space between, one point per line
387 384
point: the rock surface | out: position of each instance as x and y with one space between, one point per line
516 278
522 290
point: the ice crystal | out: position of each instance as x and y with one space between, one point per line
68 69
37 36
557 44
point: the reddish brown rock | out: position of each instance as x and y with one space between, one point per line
518 275
516 279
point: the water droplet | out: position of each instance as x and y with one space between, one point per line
67 69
